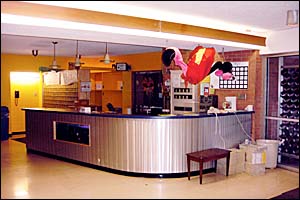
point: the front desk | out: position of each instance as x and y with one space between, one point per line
133 144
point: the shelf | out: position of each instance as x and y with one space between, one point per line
112 90
60 96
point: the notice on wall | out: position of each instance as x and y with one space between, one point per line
214 81
176 81
99 85
85 86
68 77
51 78
204 89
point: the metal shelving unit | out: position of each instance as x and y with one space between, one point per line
183 99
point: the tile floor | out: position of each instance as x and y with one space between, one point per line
29 176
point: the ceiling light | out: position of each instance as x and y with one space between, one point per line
292 18
77 63
77 59
106 57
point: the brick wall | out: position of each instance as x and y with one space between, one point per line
254 93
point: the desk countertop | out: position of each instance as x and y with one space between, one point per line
118 115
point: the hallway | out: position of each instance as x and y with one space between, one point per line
33 176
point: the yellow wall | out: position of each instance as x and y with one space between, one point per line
138 62
21 63
142 62
28 85
29 63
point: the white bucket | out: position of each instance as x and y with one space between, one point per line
272 151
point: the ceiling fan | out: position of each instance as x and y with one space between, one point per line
106 57
54 65
77 64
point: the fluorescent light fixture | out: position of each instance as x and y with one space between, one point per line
25 78
292 18
121 8
43 22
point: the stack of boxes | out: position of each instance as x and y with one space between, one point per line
248 158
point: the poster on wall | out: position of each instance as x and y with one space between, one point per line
147 91
68 77
240 80
51 78
214 81
85 86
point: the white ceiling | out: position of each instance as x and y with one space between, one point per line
250 17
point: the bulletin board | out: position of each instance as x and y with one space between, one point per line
240 72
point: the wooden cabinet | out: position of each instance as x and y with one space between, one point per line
83 77
96 92
107 88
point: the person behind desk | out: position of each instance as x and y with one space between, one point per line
110 107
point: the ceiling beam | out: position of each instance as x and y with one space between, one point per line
108 19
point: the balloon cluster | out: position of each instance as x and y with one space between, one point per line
200 64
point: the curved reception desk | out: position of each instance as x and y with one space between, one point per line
134 144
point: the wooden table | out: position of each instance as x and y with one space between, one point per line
208 155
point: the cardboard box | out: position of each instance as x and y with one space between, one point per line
236 162
255 154
255 159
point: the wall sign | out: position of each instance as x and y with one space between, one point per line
240 72
85 86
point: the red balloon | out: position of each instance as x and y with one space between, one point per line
199 65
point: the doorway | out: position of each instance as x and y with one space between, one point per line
282 108
147 91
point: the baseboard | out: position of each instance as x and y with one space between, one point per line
293 169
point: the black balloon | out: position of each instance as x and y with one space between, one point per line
167 57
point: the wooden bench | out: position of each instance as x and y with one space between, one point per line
208 155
